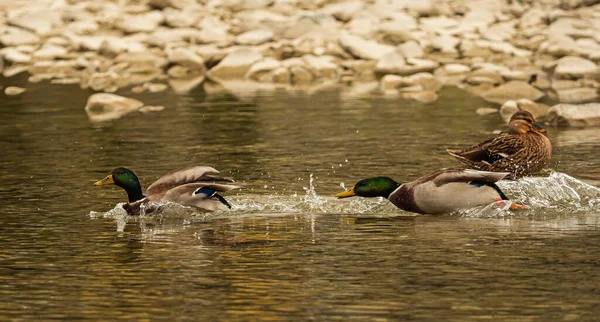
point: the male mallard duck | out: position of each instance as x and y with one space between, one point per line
182 186
522 150
443 191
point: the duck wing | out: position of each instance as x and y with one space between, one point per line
201 195
491 150
182 177
468 176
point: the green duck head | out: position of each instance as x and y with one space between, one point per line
125 179
371 187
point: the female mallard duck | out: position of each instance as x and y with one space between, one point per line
443 191
522 150
187 187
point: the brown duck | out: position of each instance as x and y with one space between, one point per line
523 150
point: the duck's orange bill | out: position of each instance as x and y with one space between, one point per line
346 194
105 181
539 128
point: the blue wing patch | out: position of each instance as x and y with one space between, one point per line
205 191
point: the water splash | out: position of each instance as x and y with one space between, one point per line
558 192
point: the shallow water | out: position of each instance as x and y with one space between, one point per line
287 250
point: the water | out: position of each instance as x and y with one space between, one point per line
287 250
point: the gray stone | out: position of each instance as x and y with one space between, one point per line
411 49
42 21
577 95
512 90
12 36
322 66
146 22
103 106
576 115
50 52
344 11
390 83
260 70
482 111
186 57
236 64
391 63
361 48
255 37
13 91
574 67
16 57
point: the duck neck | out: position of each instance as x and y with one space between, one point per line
134 193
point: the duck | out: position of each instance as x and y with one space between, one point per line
523 150
193 186
440 192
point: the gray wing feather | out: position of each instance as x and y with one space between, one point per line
181 177
468 175
185 195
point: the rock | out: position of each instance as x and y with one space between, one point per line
577 95
394 33
142 62
533 17
65 81
146 22
426 80
365 25
181 18
574 67
559 45
185 85
415 65
236 64
14 56
576 115
512 90
301 27
155 87
42 21
360 69
510 107
572 27
482 111
485 75
185 57
178 4
151 108
103 106
411 49
255 37
281 75
452 69
344 11
16 36
323 66
391 63
14 70
50 52
13 91
422 96
104 81
446 44
83 27
261 70
361 48
212 30
390 83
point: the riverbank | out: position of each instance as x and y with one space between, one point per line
501 51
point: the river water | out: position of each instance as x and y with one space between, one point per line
287 250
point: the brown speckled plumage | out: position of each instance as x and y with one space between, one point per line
522 150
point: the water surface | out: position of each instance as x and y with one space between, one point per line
287 250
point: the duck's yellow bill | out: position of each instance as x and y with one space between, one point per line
346 194
105 181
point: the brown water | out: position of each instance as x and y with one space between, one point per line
287 250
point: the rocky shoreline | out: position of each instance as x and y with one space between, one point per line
510 53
